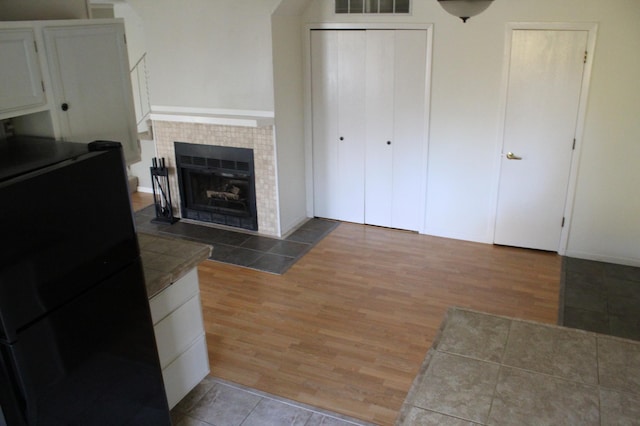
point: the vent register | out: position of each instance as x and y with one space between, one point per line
373 6
216 163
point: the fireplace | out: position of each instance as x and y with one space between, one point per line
217 184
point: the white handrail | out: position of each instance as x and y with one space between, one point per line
140 87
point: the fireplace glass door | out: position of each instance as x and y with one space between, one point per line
217 184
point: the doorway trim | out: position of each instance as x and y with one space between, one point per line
308 113
592 29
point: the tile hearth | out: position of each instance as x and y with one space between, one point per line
240 248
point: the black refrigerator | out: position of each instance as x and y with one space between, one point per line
76 338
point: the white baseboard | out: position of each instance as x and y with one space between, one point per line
603 258
144 189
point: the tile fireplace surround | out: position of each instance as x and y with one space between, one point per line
260 139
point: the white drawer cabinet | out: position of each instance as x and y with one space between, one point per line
182 374
180 336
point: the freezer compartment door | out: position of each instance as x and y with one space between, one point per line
92 362
64 228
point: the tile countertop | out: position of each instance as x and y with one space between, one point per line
166 260
489 370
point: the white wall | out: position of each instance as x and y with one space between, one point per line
141 168
464 144
289 119
31 10
225 54
606 220
134 28
209 54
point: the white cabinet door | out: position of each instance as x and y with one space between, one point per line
338 87
20 76
90 73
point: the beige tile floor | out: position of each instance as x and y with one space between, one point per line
216 402
491 370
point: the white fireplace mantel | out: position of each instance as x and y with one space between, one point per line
224 117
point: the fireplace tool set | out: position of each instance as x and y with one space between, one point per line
161 192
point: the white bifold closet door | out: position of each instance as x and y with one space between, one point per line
339 123
369 116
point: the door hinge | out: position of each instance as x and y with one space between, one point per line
42 84
574 144
562 226
125 38
35 45
585 56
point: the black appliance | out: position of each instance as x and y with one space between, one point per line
76 338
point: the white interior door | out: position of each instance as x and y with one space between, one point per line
544 88
90 70
338 95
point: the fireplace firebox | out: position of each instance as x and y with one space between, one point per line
217 184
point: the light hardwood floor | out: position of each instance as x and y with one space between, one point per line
347 327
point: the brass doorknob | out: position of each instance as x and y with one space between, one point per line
512 156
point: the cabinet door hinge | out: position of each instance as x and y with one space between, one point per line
585 56
574 144
35 45
42 84
124 36
562 226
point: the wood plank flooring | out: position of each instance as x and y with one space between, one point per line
347 327
140 200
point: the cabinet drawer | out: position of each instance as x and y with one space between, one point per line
174 296
185 372
177 331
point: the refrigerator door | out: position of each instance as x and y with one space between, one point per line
65 227
92 362
76 338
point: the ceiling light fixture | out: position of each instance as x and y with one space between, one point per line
464 9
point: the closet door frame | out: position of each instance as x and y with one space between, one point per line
308 113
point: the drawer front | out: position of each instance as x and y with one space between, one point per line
185 372
174 296
177 331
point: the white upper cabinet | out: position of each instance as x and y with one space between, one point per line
91 85
83 68
21 81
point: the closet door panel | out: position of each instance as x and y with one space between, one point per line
351 125
338 94
380 123
409 181
324 88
